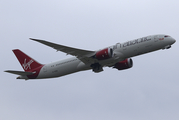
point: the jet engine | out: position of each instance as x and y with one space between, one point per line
104 54
122 65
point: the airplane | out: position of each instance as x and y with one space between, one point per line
117 56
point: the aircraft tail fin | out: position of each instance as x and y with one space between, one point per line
27 63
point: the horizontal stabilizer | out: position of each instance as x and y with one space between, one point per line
19 72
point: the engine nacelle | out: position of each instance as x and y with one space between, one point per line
104 54
127 63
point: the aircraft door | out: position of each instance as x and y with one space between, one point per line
118 45
156 38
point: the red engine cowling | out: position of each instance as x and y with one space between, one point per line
104 54
127 63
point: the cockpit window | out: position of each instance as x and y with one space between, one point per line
166 36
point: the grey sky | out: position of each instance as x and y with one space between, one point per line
147 91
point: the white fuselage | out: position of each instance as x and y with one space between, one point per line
121 51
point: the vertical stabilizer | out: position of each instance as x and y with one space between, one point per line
27 63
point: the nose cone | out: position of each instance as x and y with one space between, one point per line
169 40
173 41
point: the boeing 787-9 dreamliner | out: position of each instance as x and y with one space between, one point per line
116 56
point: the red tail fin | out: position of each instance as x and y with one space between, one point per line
27 63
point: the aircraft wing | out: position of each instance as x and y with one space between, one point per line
19 72
83 55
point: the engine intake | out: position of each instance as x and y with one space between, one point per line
104 54
127 63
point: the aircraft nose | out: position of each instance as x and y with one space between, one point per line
170 41
173 41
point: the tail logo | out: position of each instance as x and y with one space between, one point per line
26 65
